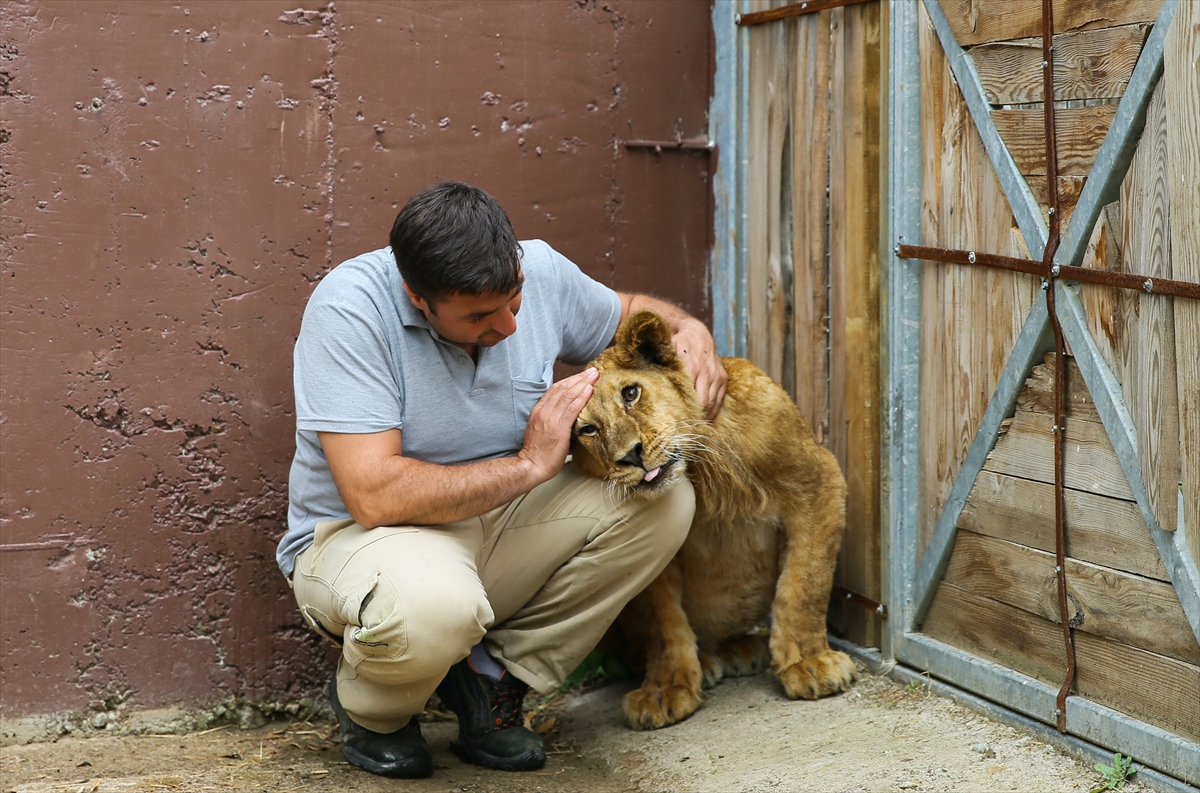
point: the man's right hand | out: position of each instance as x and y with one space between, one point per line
548 433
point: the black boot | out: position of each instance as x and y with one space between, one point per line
402 754
491 729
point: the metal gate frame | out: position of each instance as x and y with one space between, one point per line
909 581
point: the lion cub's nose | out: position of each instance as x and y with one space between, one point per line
634 457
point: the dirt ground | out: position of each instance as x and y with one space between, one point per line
881 736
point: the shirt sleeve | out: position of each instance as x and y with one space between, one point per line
589 310
344 381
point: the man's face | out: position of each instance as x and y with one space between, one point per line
485 320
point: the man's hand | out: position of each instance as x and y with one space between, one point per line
548 433
694 344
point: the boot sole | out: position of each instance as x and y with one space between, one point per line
417 769
531 760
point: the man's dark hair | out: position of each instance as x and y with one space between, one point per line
455 239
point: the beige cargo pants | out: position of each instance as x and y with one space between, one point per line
541 577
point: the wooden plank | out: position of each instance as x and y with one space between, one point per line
1026 449
769 96
1126 679
810 242
841 118
970 316
1069 188
1181 85
1121 606
1101 530
943 116
981 21
1093 64
1146 350
1038 394
1104 304
854 322
1079 133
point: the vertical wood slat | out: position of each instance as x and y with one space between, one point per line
854 303
1147 343
810 245
971 316
1181 86
769 100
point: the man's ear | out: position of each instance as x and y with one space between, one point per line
644 339
421 304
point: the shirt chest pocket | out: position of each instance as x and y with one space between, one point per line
527 392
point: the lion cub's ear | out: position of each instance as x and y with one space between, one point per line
645 340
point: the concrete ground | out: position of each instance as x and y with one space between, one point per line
880 736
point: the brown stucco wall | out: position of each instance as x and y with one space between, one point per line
176 178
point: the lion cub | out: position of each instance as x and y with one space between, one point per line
770 510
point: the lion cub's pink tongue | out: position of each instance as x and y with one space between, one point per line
651 474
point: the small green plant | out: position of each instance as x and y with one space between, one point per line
597 666
1116 775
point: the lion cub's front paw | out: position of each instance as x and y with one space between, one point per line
818 676
651 708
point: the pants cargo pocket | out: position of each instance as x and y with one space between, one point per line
374 619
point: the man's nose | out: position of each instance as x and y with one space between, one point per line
506 323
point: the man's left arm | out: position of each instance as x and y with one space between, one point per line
694 344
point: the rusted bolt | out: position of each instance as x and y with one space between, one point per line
1055 270
971 257
1148 285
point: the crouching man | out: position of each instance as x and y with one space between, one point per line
433 530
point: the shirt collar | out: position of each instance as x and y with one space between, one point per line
410 315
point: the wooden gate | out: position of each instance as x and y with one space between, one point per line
1039 409
1044 524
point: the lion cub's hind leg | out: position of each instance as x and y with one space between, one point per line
739 656
670 690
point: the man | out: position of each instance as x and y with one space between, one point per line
433 530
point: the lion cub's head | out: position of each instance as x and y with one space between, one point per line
637 429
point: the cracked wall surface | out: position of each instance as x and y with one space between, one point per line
175 179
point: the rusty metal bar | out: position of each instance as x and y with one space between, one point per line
1156 286
1060 365
971 257
688 144
793 10
841 593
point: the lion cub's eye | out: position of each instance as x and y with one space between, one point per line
630 394
587 429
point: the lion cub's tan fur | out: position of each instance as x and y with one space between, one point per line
770 510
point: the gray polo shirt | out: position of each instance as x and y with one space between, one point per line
367 361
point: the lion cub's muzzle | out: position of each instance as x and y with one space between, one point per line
639 476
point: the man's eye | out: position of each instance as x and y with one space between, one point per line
587 429
630 393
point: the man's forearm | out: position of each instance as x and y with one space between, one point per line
415 492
